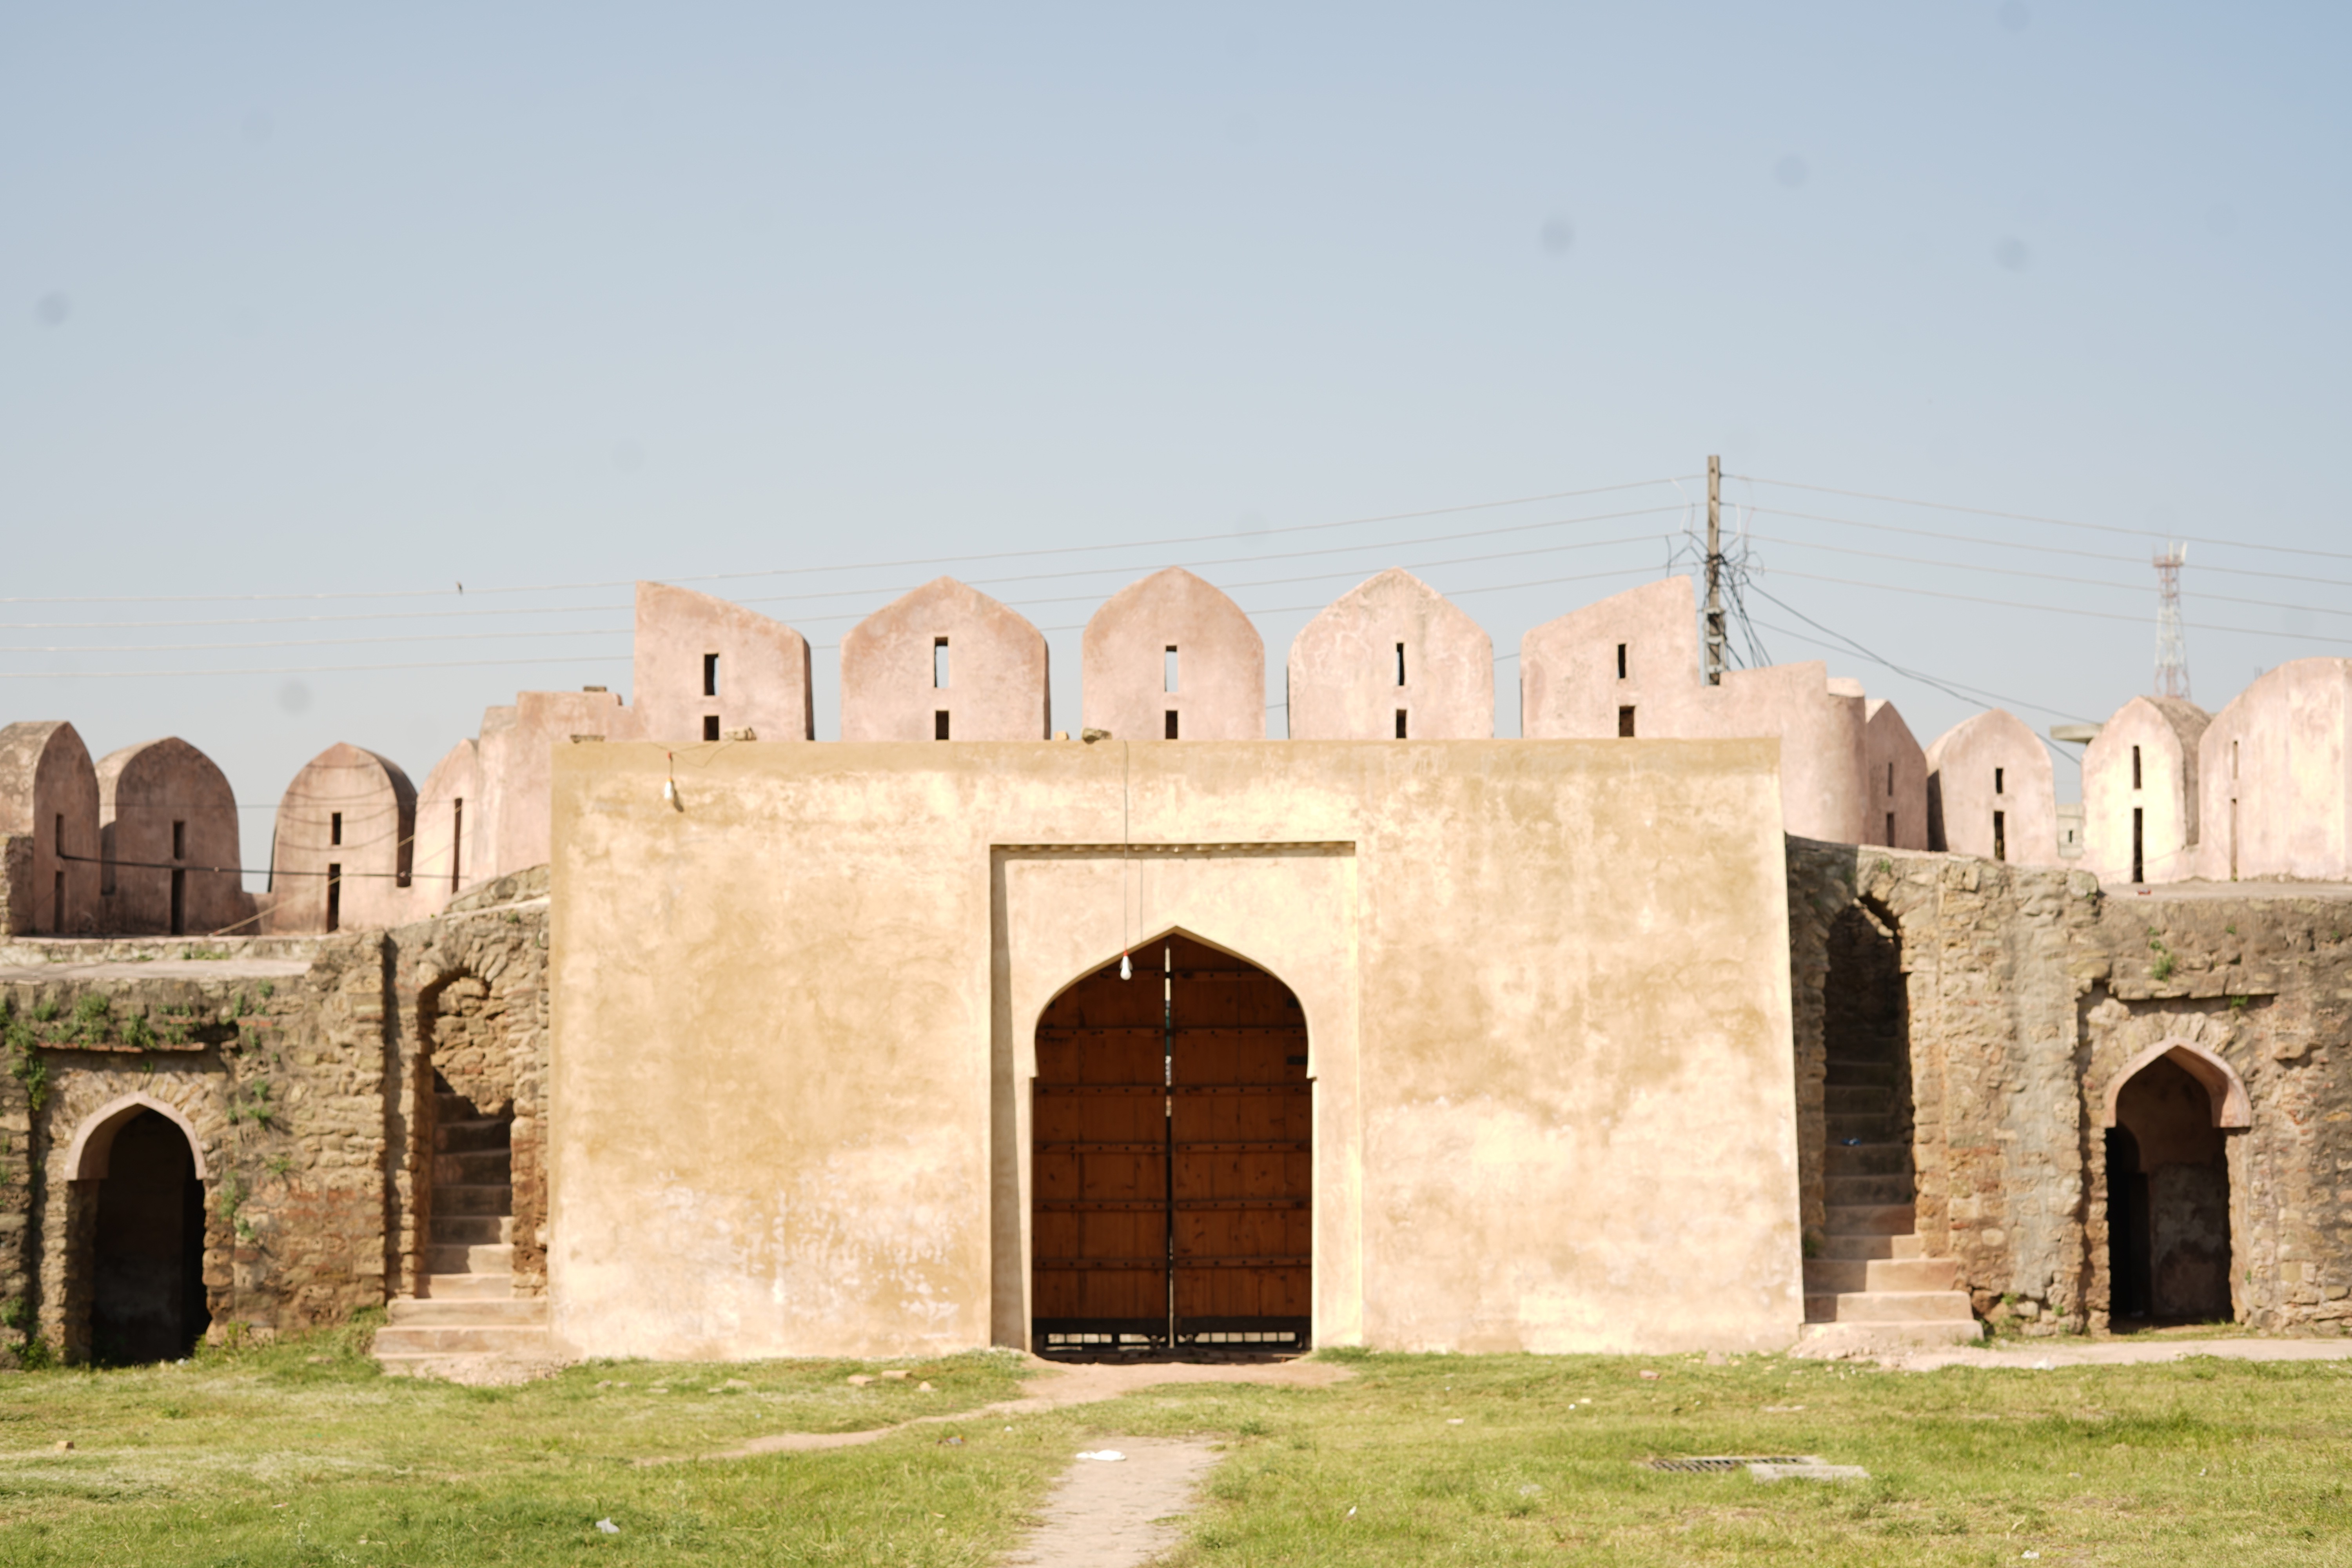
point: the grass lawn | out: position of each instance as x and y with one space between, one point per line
299 1453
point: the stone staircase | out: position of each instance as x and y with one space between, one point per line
467 1314
1874 1286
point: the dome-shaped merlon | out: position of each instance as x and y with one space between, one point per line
1392 659
945 662
1171 659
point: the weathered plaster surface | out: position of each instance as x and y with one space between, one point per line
2275 777
763 673
143 792
367 802
778 1105
1993 762
2165 731
994 660
1220 689
49 796
1387 647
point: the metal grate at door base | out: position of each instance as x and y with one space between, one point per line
1714 1464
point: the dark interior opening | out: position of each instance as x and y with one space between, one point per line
1172 724
940 725
334 898
1624 723
2000 836
2168 1240
147 1300
710 726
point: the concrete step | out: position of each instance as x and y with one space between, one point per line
1868 1245
469 1230
1841 1275
1830 1341
522 1339
1849 1071
1889 1307
1867 1159
491 1257
1847 1191
486 1286
455 1137
1871 1219
1867 1100
472 1198
436 1312
1878 1128
475 1167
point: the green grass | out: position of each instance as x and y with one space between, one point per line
292 1453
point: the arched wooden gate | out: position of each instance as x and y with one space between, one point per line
1173 1157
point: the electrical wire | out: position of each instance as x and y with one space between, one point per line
2049 522
2054 609
797 571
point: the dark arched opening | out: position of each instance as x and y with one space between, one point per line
147 1276
2167 1200
1173 1159
1866 1085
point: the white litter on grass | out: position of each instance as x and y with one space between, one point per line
608 1527
1108 1455
1811 1469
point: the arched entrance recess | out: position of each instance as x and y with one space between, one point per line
1173 1157
146 1251
2168 1171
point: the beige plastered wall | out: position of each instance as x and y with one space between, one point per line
1546 984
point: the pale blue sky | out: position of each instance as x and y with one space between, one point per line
296 300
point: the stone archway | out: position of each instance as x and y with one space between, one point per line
1173 1157
134 1264
2167 1183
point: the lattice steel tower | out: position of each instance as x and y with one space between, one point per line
2171 648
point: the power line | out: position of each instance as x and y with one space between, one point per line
798 571
2049 521
2052 609
2043 548
2068 578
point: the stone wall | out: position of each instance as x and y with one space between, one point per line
2029 991
472 986
289 1063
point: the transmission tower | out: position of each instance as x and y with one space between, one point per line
2171 648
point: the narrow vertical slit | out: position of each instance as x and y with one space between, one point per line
2000 836
1400 712
940 664
334 828
1400 664
334 896
710 674
2140 845
2135 767
1170 725
1168 672
940 725
457 840
1621 661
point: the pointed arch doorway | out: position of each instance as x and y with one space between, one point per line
1172 1158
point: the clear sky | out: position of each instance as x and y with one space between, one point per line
370 302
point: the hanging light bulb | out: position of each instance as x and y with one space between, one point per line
1126 970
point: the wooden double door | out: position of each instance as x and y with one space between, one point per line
1173 1157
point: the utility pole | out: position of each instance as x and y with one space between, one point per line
1715 637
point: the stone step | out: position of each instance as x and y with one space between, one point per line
1847 1070
460 1313
454 1137
1868 1245
1871 1219
1869 1128
1847 1191
1889 1307
486 1286
472 1198
1841 1275
1828 1340
522 1340
469 1230
487 1167
483 1258
1867 1159
1866 1099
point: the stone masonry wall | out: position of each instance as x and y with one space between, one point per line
291 1059
2028 992
472 988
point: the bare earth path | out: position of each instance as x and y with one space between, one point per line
1117 1515
1064 1384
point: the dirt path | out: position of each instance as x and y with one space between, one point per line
2046 1354
1121 1513
1059 1386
